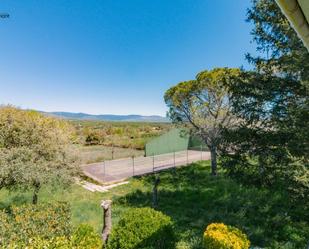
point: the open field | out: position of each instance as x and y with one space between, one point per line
193 199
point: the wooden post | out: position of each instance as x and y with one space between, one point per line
155 192
153 163
107 219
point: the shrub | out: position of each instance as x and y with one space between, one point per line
85 237
40 243
142 228
30 221
220 236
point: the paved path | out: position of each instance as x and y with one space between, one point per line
99 188
121 169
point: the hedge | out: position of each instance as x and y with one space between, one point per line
142 228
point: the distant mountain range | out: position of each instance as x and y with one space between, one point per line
107 117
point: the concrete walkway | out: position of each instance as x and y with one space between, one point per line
98 188
118 170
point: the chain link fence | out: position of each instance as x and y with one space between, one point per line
120 169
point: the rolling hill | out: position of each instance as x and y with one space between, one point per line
107 117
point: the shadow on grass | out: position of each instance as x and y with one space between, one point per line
195 199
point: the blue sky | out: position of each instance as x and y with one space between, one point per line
119 57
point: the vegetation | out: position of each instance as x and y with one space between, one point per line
220 236
204 106
99 153
132 135
142 228
84 237
34 150
257 120
270 145
25 222
193 199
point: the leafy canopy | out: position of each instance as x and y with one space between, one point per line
34 150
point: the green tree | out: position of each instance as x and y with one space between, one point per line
270 144
283 53
34 150
203 105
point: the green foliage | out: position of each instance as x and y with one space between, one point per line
192 198
44 226
203 105
220 236
40 243
34 150
93 138
283 53
29 221
142 228
270 144
85 237
132 135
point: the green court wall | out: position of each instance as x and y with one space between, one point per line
173 141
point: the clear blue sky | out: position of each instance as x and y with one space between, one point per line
108 56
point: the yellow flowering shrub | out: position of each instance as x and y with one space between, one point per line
221 236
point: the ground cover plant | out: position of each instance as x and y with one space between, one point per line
193 199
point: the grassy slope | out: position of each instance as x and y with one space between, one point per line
191 197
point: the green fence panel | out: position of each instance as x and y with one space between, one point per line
172 141
196 143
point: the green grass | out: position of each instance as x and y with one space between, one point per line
193 199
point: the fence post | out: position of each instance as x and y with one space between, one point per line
187 157
104 169
112 152
201 152
174 160
133 164
152 163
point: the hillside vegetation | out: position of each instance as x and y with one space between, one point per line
133 135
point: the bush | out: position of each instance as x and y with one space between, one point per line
85 237
142 228
30 221
40 243
220 236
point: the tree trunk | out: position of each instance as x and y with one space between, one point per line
37 187
213 155
107 220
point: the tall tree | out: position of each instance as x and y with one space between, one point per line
273 106
203 105
34 150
